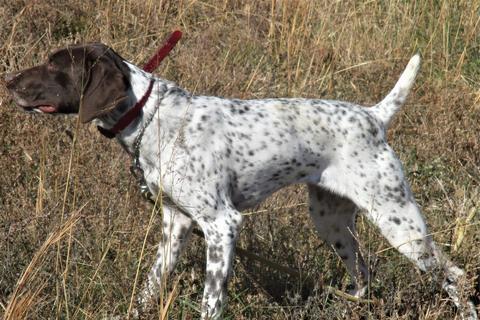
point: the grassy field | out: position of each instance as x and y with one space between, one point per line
77 239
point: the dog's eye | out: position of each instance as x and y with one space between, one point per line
51 66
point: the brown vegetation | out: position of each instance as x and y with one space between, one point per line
72 222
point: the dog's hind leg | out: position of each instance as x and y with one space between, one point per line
377 184
334 219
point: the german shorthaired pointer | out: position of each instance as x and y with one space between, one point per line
213 157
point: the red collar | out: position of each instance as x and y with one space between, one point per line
128 117
151 65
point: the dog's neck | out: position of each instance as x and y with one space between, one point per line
139 83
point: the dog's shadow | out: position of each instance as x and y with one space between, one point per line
275 268
278 285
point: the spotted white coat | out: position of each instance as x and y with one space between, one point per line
212 157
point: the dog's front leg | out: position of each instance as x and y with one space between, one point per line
220 234
177 229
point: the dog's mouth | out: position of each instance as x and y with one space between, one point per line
47 108
44 108
30 106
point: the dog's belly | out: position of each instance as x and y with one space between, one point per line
250 186
254 195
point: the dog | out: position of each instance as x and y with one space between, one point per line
212 157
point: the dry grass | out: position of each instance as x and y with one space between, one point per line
349 50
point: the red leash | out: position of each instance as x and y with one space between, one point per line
151 65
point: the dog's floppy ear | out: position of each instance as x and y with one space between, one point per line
107 82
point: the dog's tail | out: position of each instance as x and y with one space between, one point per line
385 110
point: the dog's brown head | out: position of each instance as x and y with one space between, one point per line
89 80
